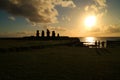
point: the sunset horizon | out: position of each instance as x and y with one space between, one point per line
73 18
59 39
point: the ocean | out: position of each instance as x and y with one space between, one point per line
91 41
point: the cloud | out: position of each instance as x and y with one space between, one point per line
53 28
65 3
21 33
111 28
98 8
36 11
12 18
101 3
107 29
57 28
66 18
103 30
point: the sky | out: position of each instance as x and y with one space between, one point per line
66 17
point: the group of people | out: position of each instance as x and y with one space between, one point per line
99 44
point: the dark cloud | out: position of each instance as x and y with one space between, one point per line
36 11
107 29
23 33
112 28
11 18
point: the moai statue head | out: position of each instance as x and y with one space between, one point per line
48 33
37 33
53 33
43 33
58 35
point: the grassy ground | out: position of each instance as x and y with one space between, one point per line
61 63
27 43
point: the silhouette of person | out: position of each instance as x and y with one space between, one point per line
43 34
103 44
48 33
96 44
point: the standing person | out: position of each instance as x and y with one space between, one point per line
103 44
98 44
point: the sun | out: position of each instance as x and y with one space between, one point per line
90 21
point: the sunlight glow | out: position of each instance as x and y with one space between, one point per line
90 39
90 21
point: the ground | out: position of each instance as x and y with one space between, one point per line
61 63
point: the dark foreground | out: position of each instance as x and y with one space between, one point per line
61 63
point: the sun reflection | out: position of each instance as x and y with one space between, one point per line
89 40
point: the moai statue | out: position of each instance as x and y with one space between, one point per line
37 33
53 33
43 34
58 35
48 33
